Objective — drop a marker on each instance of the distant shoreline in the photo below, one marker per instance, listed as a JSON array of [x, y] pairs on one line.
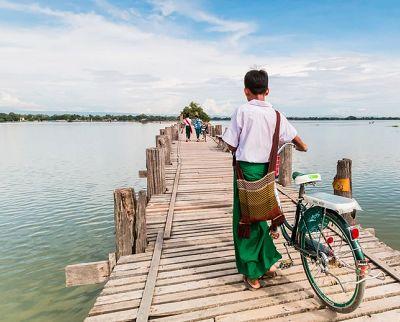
[[143, 118]]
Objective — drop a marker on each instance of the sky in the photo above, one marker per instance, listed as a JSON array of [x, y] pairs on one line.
[[324, 58]]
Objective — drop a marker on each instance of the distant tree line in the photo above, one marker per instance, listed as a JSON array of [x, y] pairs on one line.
[[15, 117], [326, 118], [348, 118], [192, 110]]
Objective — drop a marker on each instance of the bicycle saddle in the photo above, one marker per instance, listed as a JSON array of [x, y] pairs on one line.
[[303, 178]]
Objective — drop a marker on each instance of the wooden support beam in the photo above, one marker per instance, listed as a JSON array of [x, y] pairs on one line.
[[213, 131], [155, 165], [140, 223], [124, 217], [175, 132], [87, 273], [163, 142], [147, 297], [218, 129], [168, 132], [285, 169], [142, 173]]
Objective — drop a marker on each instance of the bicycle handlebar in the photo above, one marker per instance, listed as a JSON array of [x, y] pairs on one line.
[[283, 146]]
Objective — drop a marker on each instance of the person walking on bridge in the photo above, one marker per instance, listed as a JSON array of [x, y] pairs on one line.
[[250, 137], [197, 124], [188, 127]]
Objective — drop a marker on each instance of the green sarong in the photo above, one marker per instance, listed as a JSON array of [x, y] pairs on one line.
[[256, 254]]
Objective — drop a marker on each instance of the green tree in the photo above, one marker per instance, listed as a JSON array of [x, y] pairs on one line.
[[193, 110]]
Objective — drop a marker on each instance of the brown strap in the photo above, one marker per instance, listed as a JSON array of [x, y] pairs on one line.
[[239, 172], [275, 144]]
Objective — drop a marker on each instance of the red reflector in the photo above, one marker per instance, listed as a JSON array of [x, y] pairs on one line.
[[355, 233], [329, 240]]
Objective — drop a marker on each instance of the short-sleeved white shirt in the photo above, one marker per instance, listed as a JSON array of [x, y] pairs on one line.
[[252, 128]]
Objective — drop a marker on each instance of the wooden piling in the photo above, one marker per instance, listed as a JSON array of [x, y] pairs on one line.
[[218, 129], [168, 132], [124, 217], [285, 169], [213, 131], [176, 132], [162, 142], [342, 185], [140, 224], [155, 164]]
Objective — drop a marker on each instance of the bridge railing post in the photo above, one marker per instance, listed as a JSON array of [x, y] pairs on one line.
[[218, 129], [140, 238], [285, 167], [342, 185], [124, 218], [162, 143], [155, 165]]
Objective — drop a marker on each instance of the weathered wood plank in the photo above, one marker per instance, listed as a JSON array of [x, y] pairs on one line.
[[144, 308], [86, 273], [170, 214]]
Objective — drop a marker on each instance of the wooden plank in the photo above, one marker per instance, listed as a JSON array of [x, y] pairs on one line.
[[145, 304], [385, 267], [170, 214], [112, 261], [86, 273]]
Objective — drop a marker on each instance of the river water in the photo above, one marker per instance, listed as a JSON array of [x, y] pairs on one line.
[[56, 203]]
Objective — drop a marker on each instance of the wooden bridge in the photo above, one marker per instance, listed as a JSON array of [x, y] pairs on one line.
[[188, 272]]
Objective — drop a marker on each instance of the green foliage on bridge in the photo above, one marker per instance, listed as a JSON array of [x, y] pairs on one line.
[[193, 110]]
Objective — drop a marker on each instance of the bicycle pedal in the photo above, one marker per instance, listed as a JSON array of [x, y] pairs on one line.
[[286, 263]]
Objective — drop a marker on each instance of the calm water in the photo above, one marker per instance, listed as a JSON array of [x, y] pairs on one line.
[[56, 205]]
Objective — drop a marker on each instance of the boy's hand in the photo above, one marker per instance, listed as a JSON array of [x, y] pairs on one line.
[[299, 144], [304, 148]]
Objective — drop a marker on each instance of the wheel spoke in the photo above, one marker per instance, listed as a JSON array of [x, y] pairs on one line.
[[333, 275]]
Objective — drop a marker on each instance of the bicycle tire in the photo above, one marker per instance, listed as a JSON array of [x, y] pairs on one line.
[[357, 255]]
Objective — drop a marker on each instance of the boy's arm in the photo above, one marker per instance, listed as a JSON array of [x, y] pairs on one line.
[[300, 145], [232, 133]]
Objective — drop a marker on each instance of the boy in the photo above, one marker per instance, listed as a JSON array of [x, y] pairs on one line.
[[249, 135]]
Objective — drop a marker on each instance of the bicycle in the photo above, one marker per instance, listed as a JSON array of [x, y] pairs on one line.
[[330, 252]]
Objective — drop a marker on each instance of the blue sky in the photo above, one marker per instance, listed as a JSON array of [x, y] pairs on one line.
[[323, 57]]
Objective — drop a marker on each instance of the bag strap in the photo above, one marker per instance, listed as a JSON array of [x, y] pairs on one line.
[[235, 164], [275, 144]]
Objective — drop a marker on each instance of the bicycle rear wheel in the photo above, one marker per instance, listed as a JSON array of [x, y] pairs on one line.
[[333, 263]]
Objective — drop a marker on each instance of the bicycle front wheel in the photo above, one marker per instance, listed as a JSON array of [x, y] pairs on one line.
[[331, 262]]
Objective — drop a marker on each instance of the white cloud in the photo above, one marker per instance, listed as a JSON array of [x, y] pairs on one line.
[[237, 29], [87, 62], [123, 14], [8, 100]]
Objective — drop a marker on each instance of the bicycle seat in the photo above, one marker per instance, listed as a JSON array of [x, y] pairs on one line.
[[303, 178]]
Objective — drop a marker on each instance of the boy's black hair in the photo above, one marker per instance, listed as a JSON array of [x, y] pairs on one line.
[[256, 81]]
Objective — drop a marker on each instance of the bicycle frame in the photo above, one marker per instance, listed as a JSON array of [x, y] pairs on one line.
[[292, 239]]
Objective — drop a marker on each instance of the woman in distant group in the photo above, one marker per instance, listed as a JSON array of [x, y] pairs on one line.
[[188, 127], [197, 124]]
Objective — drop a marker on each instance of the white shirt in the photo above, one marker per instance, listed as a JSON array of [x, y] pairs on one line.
[[252, 128]]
